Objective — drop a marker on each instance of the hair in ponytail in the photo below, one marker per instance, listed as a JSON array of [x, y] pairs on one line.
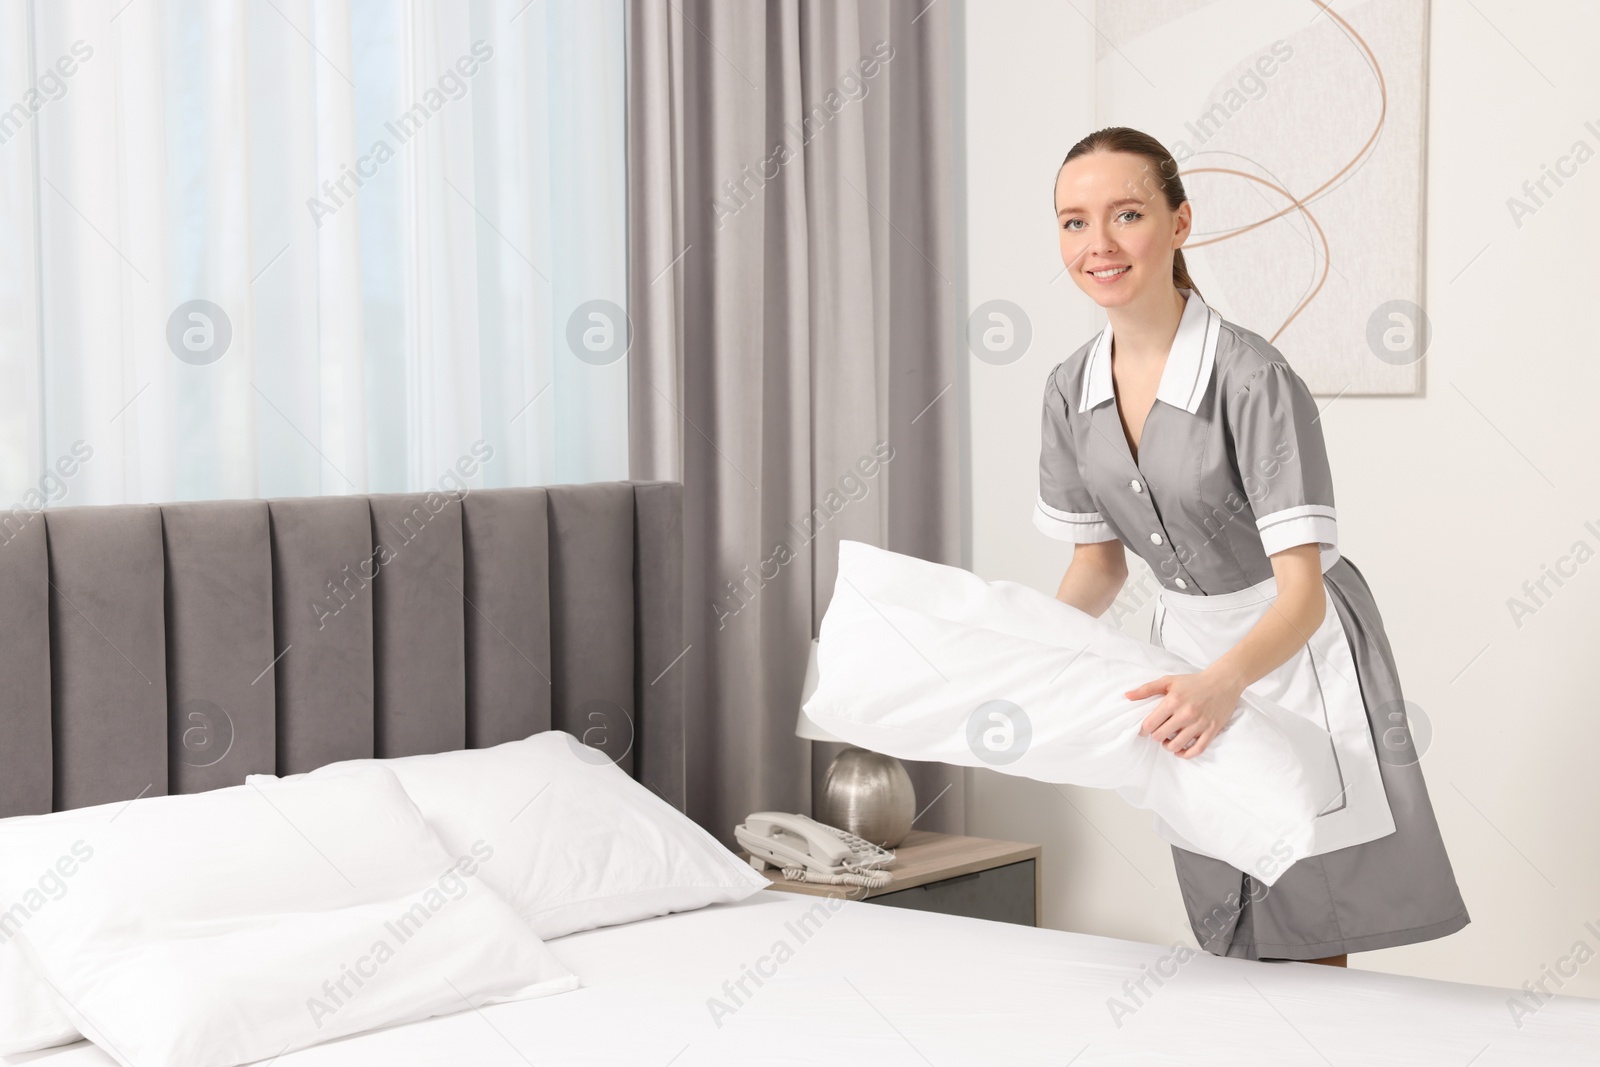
[[1134, 142]]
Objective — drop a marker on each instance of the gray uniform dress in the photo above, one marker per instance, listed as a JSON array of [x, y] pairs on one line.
[[1232, 468]]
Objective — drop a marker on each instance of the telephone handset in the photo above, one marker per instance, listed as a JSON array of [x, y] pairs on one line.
[[810, 851]]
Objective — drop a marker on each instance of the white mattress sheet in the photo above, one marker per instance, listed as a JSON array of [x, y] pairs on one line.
[[874, 984]]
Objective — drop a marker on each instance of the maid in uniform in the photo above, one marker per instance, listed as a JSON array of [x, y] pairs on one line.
[[1189, 440]]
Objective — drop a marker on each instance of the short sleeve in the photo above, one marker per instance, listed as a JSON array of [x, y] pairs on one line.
[[1283, 461], [1064, 510]]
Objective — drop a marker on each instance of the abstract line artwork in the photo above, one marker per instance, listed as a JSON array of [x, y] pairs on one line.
[[1300, 141]]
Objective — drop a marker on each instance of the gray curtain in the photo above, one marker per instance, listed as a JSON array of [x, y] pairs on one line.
[[793, 362]]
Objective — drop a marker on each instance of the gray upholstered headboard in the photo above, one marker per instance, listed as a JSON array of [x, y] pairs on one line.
[[147, 649]]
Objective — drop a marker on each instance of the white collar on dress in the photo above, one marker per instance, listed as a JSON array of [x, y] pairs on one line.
[[1189, 363]]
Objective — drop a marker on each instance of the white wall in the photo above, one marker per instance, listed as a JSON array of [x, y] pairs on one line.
[[1449, 502]]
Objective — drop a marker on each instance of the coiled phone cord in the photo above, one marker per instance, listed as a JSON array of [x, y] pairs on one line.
[[870, 879]]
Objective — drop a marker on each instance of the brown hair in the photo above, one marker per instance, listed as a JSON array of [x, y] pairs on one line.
[[1134, 142]]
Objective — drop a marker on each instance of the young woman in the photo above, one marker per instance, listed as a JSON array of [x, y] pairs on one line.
[[1191, 441]]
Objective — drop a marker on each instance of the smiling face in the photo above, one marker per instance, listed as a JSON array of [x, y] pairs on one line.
[[1110, 214]]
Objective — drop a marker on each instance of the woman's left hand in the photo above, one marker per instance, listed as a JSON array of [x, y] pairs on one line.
[[1196, 709]]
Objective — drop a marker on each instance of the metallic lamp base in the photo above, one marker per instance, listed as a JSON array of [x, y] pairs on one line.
[[868, 794]]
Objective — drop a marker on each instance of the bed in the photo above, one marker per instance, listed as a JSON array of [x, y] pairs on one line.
[[871, 984], [182, 647]]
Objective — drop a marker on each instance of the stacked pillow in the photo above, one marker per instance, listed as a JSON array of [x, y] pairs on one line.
[[31, 1016], [576, 842], [235, 925]]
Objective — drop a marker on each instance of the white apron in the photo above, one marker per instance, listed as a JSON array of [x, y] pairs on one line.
[[1319, 681]]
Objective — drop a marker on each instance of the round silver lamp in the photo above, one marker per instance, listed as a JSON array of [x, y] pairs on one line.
[[866, 793]]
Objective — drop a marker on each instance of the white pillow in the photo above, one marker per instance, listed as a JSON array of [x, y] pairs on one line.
[[229, 926], [31, 1016], [577, 842], [925, 661]]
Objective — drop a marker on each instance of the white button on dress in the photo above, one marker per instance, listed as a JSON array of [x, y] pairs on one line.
[[1155, 539], [1180, 583], [1135, 486]]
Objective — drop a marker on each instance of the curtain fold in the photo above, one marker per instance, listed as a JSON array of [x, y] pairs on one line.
[[790, 272], [293, 247]]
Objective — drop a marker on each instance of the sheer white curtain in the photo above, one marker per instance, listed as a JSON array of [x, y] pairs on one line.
[[284, 247]]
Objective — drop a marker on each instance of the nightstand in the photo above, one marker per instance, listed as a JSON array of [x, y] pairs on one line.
[[973, 876]]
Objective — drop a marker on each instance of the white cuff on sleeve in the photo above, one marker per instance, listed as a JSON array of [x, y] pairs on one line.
[[1305, 524], [1079, 527]]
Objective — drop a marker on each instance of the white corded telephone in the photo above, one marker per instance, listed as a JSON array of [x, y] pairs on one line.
[[810, 851]]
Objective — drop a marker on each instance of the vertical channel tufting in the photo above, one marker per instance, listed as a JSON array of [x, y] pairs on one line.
[[591, 601], [419, 659], [658, 631], [506, 541], [108, 654], [26, 779], [322, 609], [221, 706], [536, 608]]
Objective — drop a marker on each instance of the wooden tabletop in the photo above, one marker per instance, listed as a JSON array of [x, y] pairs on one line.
[[923, 857]]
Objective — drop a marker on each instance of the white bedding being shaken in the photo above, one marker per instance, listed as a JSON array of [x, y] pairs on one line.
[[924, 661]]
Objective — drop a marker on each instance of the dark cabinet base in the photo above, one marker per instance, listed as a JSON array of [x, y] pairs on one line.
[[1004, 894]]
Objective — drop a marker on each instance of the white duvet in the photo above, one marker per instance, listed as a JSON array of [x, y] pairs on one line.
[[929, 662]]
